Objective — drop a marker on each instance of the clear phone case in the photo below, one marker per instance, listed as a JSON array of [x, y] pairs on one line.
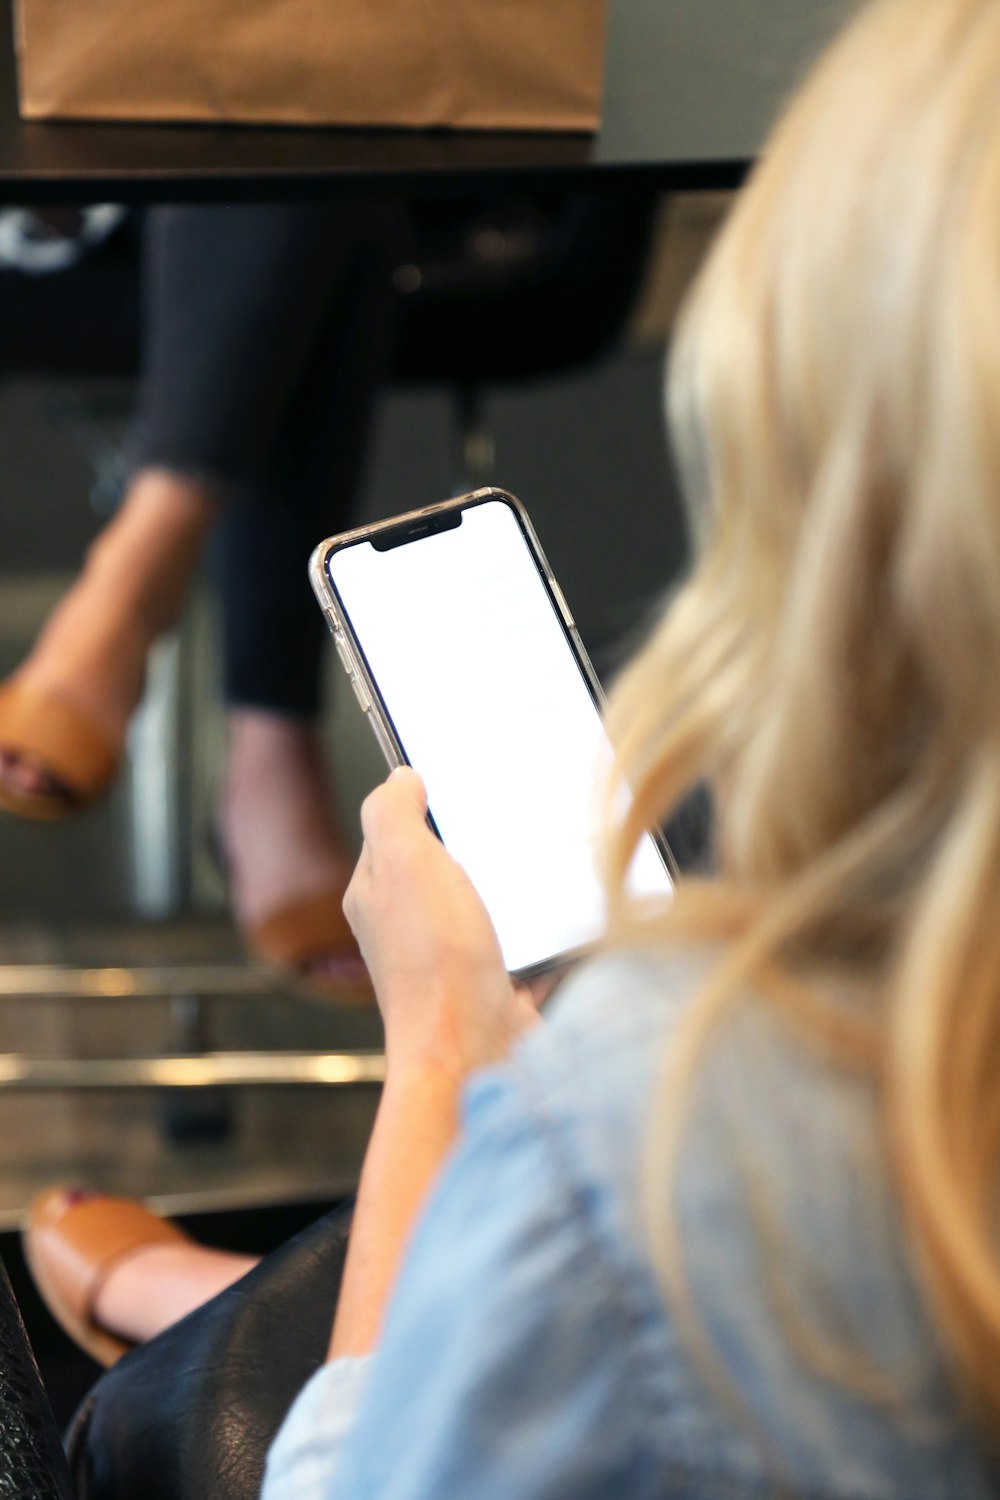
[[348, 650], [352, 656]]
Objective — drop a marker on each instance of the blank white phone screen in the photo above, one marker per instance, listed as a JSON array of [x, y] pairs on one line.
[[489, 704]]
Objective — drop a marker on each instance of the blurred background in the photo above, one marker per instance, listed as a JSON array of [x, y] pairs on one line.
[[117, 953]]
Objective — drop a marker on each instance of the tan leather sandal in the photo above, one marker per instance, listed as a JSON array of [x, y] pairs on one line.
[[305, 932], [71, 1241], [63, 743]]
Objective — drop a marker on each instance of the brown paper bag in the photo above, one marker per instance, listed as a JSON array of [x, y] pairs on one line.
[[493, 64]]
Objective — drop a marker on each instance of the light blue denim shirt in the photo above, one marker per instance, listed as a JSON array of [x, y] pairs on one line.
[[529, 1352]]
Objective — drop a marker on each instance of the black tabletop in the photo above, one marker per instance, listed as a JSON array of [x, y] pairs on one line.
[[691, 86]]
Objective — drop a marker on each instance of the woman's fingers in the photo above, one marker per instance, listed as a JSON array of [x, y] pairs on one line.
[[409, 780], [536, 991], [404, 877], [389, 814], [398, 803], [428, 941]]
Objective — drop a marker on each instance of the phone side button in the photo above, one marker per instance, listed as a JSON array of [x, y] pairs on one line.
[[343, 653], [361, 694], [561, 601]]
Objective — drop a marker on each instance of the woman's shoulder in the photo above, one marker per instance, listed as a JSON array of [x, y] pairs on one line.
[[794, 1257], [757, 1091], [608, 1014], [774, 1141], [585, 1075], [594, 1063]]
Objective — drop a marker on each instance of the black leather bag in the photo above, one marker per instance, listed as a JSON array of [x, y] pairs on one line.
[[190, 1415], [32, 1463]]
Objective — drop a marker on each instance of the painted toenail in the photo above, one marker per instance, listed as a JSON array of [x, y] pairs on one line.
[[73, 1197]]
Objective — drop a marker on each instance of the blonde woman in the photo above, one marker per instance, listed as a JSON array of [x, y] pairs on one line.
[[726, 1224]]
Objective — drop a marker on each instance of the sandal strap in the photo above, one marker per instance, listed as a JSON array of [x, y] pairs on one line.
[[81, 1242], [64, 742], [304, 930]]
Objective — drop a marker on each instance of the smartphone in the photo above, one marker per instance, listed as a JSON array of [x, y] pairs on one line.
[[464, 655]]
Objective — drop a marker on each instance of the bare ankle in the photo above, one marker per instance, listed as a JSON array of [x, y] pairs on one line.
[[157, 1286], [145, 556], [261, 733]]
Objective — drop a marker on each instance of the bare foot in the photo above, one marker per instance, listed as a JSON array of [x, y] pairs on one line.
[[279, 832], [92, 651], [154, 1287]]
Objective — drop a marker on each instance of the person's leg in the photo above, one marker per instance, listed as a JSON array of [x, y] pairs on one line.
[[91, 655], [218, 1383], [233, 302], [282, 838], [114, 1273], [305, 485], [153, 1288]]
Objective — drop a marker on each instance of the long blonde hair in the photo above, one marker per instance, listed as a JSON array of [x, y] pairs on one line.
[[834, 399]]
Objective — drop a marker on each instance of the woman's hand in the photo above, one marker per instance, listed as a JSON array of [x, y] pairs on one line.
[[449, 1007], [433, 955]]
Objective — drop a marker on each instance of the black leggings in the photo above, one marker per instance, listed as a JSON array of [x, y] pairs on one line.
[[266, 332]]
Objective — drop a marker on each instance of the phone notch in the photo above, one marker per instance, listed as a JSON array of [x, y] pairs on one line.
[[427, 523]]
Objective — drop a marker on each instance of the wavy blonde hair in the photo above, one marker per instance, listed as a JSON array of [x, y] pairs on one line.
[[834, 398]]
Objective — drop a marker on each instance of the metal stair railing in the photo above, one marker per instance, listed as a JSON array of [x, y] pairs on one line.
[[187, 987]]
